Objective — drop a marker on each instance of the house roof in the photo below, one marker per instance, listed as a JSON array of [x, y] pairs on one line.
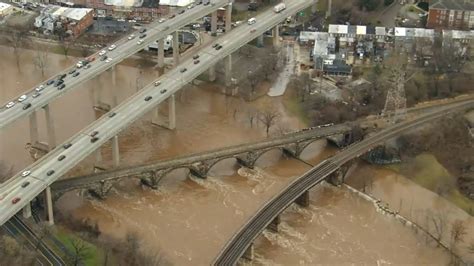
[[453, 5], [176, 2], [71, 13], [4, 6], [458, 34]]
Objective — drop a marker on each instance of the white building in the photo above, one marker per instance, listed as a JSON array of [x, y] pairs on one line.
[[5, 9]]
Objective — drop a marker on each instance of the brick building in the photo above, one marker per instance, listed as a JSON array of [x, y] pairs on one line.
[[451, 14]]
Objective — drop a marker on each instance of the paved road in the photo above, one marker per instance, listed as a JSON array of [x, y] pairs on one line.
[[237, 245], [129, 111], [125, 48]]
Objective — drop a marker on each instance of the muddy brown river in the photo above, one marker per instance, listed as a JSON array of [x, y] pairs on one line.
[[189, 219]]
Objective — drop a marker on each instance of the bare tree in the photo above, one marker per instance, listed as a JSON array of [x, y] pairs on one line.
[[80, 252], [270, 64], [253, 78], [251, 115], [268, 117], [17, 40], [41, 60], [65, 46], [458, 231]]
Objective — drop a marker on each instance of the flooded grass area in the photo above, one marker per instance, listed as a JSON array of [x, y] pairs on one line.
[[426, 171]]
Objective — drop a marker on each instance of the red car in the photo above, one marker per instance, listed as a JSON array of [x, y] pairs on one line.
[[15, 200], [90, 58]]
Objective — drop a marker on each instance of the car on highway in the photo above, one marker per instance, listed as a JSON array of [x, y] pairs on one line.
[[163, 91], [215, 45], [131, 37], [143, 30], [25, 173], [51, 81], [94, 133], [147, 98], [94, 139], [79, 64], [90, 58], [103, 58], [62, 157], [112, 114], [108, 60], [190, 6], [76, 74], [112, 47], [207, 3], [142, 36], [72, 71], [196, 56], [87, 67], [39, 88], [219, 47], [67, 145], [161, 20], [25, 184], [10, 105], [172, 16], [157, 83], [50, 172], [22, 98], [16, 200], [62, 86], [183, 70], [58, 82], [167, 28], [140, 42], [196, 62], [253, 30], [36, 94], [181, 11], [62, 76], [26, 106], [101, 53]]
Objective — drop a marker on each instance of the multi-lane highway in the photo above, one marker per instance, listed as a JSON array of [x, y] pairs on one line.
[[49, 168], [124, 48], [244, 237]]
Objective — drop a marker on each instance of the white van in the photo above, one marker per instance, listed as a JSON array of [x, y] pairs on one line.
[[251, 21]]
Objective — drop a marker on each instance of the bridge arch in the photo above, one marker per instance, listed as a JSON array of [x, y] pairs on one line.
[[266, 151], [305, 144], [217, 161]]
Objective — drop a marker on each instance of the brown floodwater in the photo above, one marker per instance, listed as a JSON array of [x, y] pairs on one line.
[[189, 219]]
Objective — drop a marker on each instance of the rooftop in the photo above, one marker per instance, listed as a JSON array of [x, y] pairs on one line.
[[4, 6], [176, 2], [71, 13], [124, 3], [454, 4]]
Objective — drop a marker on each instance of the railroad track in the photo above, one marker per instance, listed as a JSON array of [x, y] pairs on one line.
[[244, 237]]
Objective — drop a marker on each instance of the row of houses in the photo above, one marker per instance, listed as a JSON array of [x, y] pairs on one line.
[[71, 21], [336, 50]]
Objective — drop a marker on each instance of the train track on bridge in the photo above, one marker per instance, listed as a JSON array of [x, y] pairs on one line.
[[245, 236]]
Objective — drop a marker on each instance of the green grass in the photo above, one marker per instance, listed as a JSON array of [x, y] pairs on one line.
[[427, 172], [293, 105], [95, 254]]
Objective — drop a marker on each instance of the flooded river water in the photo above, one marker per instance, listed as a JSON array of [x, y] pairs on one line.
[[189, 219]]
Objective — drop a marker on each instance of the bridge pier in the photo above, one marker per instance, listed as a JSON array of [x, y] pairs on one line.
[[175, 48], [27, 210], [161, 53], [303, 200], [114, 86], [100, 190], [228, 18], [248, 159], [336, 178], [260, 42], [115, 151], [50, 127], [153, 178], [273, 226], [212, 73], [328, 12], [249, 253], [276, 36], [214, 23], [228, 70], [33, 128], [155, 120], [49, 206]]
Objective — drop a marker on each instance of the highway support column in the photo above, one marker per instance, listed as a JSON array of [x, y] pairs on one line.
[[171, 112], [115, 151], [260, 41], [228, 59], [27, 210], [114, 86], [212, 73], [214, 23], [49, 206], [276, 36], [303, 200], [50, 127], [175, 48], [33, 128], [328, 12], [274, 224], [161, 53]]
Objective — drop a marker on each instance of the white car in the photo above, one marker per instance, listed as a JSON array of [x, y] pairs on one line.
[[22, 98], [113, 46], [108, 60], [131, 37], [190, 6], [161, 20], [79, 64], [140, 42], [25, 173], [10, 105], [101, 53]]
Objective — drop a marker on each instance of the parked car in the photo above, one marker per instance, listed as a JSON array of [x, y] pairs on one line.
[[161, 20], [181, 11], [219, 47], [103, 58], [172, 16], [58, 82], [51, 81]]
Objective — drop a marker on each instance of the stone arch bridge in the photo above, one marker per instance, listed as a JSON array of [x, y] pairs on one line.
[[199, 164]]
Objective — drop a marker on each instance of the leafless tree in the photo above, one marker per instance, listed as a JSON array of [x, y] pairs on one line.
[[80, 252], [254, 78], [458, 231], [270, 64], [268, 117], [65, 46], [251, 115], [17, 40], [41, 60]]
